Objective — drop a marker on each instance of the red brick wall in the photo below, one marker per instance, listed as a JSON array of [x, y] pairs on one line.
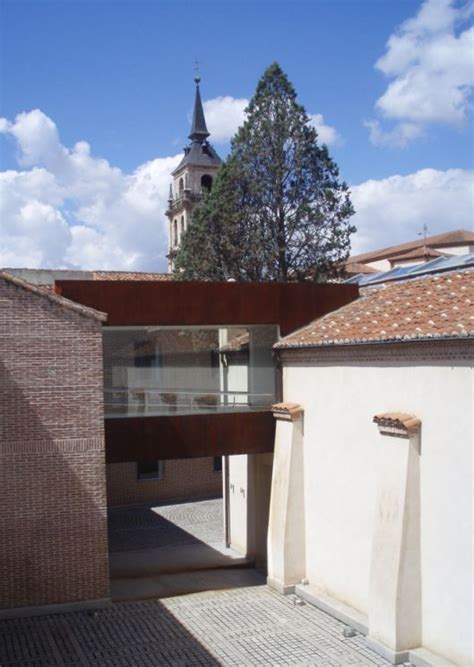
[[183, 478], [53, 537]]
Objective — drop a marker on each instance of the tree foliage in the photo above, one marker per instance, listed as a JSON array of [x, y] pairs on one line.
[[277, 210]]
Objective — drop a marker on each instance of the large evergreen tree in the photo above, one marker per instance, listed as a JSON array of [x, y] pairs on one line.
[[277, 210]]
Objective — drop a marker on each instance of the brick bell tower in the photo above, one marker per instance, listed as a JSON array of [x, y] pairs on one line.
[[191, 178]]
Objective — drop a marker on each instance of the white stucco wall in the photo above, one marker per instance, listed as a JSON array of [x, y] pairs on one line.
[[250, 477], [238, 502], [340, 450]]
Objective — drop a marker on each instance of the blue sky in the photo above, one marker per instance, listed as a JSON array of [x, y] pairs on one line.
[[118, 75]]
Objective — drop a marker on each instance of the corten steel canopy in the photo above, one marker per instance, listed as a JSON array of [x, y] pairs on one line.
[[189, 436], [177, 303]]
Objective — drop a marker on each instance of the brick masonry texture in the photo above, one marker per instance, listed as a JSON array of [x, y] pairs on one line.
[[182, 479], [53, 523]]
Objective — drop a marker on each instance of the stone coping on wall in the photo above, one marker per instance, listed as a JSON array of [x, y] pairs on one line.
[[288, 411], [397, 424]]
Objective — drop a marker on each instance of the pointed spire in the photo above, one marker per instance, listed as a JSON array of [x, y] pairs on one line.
[[199, 130]]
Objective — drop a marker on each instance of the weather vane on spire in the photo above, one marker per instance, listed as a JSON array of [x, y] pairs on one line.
[[197, 73]]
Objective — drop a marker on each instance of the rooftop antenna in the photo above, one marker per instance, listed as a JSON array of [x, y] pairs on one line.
[[423, 234]]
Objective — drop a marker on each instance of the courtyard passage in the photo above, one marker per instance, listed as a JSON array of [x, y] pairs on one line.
[[167, 550], [245, 626]]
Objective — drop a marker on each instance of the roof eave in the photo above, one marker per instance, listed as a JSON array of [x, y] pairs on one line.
[[390, 251], [61, 301], [385, 341]]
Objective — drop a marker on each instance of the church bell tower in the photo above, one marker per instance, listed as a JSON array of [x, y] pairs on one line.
[[191, 178]]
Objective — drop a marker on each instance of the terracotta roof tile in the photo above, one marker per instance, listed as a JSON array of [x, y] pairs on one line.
[[424, 308], [130, 275], [398, 420], [291, 410]]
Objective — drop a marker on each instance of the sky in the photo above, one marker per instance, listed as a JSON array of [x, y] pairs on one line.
[[96, 98]]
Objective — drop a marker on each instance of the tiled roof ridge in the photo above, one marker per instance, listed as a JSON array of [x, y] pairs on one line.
[[55, 298], [351, 325], [453, 237]]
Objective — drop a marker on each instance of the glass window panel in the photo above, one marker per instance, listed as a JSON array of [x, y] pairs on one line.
[[190, 370]]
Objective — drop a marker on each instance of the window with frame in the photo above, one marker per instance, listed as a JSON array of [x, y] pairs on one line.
[[150, 470], [217, 463]]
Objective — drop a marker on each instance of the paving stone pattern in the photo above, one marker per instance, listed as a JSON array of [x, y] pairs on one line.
[[247, 626], [148, 527]]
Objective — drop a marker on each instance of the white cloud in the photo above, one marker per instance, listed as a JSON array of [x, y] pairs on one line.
[[71, 209], [4, 125], [224, 115], [394, 209], [399, 137], [326, 134], [32, 226], [429, 59]]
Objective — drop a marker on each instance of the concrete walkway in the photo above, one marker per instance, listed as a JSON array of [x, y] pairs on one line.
[[241, 627]]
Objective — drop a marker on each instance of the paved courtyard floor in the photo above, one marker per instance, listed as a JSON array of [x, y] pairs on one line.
[[168, 550], [246, 626], [149, 527]]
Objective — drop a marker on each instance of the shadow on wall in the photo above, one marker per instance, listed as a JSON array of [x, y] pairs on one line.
[[137, 633], [53, 546]]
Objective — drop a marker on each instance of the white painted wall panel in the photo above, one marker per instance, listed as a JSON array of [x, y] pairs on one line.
[[341, 445]]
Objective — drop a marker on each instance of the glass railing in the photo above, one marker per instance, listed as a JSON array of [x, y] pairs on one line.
[[152, 371], [141, 402]]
